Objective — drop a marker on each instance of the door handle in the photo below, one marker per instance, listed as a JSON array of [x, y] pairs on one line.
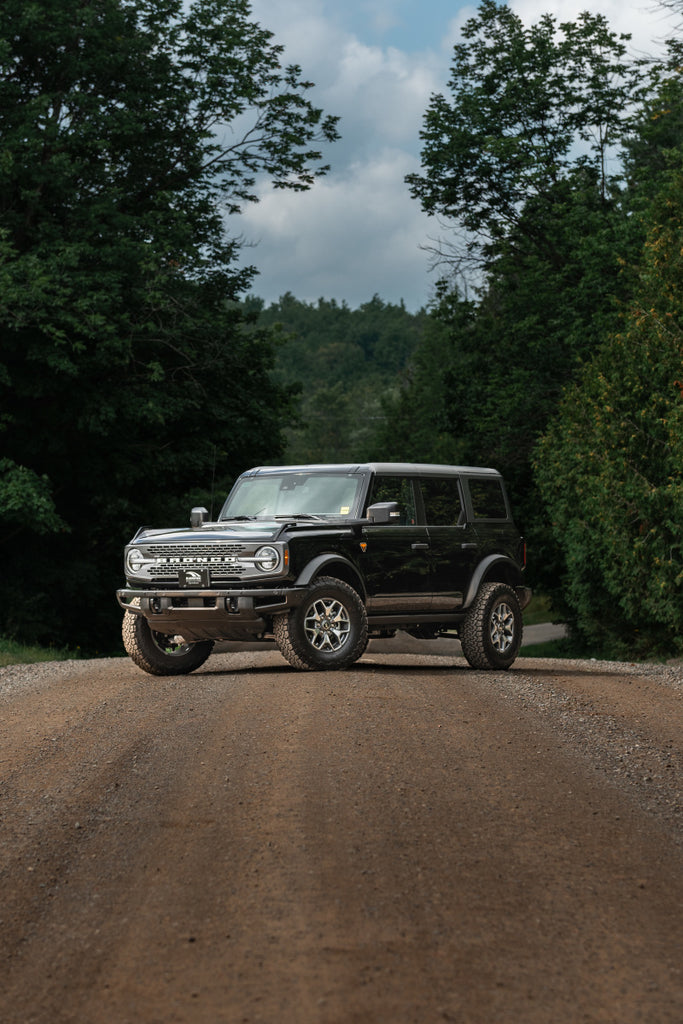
[[420, 546], [468, 547]]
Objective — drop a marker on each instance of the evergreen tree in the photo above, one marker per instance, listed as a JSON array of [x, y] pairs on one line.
[[609, 465]]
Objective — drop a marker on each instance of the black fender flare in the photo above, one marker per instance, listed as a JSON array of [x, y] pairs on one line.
[[511, 575], [316, 566]]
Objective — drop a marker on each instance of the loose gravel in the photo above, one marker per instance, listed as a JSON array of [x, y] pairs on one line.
[[630, 758], [633, 759]]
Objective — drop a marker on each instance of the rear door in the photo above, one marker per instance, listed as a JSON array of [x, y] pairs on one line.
[[454, 545]]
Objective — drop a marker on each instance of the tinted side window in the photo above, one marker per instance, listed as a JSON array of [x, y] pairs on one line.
[[488, 500], [395, 488], [441, 496]]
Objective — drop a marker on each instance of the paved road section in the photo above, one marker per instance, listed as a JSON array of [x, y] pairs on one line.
[[406, 841]]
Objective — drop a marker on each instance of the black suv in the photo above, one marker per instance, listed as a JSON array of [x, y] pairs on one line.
[[321, 558]]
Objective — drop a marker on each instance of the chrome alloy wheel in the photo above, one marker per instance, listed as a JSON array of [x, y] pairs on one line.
[[327, 625], [502, 627]]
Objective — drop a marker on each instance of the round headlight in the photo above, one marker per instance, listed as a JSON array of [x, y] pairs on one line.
[[134, 561], [267, 558]]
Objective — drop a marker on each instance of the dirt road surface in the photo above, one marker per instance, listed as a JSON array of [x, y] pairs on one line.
[[406, 841]]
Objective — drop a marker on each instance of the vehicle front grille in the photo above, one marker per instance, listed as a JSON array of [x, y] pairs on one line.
[[182, 551], [220, 559]]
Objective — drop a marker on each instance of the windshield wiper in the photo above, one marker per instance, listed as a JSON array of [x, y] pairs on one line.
[[299, 515]]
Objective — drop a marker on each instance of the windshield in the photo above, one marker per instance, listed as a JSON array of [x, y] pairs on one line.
[[294, 494]]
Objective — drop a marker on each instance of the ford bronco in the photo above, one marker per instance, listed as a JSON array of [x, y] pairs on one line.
[[319, 559]]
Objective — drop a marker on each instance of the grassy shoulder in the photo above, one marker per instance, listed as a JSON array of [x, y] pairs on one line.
[[538, 611], [14, 653], [551, 649]]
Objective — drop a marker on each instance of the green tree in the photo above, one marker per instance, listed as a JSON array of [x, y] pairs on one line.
[[609, 465], [129, 132], [522, 158], [524, 102], [417, 423], [657, 133]]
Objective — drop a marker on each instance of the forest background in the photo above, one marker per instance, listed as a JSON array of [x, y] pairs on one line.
[[139, 373]]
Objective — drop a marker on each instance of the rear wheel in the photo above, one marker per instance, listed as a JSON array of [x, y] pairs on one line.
[[328, 630], [158, 653], [491, 634]]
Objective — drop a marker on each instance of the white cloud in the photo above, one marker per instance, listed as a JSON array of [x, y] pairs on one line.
[[357, 232], [380, 93], [381, 96], [382, 14], [647, 22], [306, 28], [349, 238]]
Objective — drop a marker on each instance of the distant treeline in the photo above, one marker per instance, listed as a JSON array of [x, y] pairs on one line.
[[343, 365]]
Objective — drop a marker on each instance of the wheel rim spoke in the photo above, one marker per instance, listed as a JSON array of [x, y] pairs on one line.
[[502, 627], [327, 625]]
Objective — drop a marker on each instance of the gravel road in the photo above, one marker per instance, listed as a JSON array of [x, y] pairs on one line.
[[406, 841]]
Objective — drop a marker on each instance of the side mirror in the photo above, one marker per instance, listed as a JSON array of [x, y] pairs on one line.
[[198, 516], [383, 512]]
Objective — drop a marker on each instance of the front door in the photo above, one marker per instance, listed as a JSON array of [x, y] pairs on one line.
[[396, 557]]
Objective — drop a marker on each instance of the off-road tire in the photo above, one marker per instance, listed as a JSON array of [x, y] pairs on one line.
[[491, 634], [328, 630], [159, 654]]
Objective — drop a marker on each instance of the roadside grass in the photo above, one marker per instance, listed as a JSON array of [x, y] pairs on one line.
[[538, 610], [550, 649], [14, 653]]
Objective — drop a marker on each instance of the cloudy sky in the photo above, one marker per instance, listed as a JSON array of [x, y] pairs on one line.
[[375, 63]]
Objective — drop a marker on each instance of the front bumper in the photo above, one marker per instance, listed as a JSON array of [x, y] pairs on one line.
[[210, 614]]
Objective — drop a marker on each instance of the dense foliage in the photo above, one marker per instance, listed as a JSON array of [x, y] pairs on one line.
[[610, 463], [128, 370], [518, 156]]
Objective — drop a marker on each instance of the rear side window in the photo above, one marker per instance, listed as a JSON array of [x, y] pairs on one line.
[[442, 502], [488, 499]]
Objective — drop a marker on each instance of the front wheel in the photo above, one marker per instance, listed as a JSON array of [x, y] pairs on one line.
[[158, 653], [328, 630], [491, 634]]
